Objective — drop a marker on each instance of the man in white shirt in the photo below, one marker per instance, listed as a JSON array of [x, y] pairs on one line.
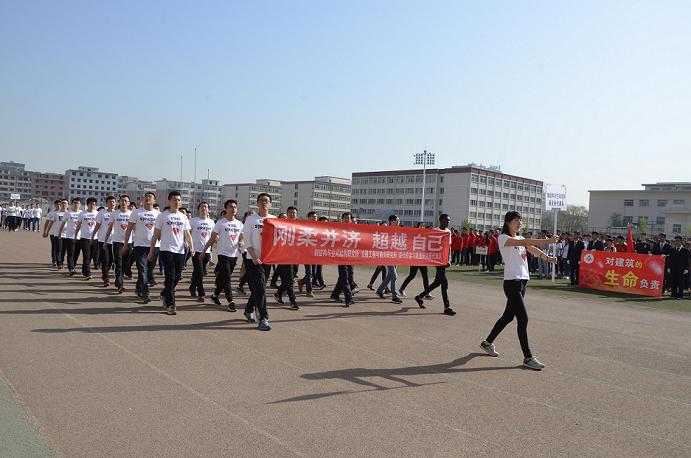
[[85, 230], [105, 245], [228, 233], [256, 270], [36, 223], [172, 228], [71, 236], [142, 221], [117, 227], [286, 273], [52, 228], [201, 228]]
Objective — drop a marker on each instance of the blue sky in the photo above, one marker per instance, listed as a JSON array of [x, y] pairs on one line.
[[593, 94]]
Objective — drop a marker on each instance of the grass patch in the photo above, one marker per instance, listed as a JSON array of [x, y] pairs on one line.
[[561, 288]]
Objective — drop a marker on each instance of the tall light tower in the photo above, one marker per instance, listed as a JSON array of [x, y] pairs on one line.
[[425, 158]]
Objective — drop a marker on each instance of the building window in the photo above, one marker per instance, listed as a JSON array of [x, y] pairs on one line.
[[628, 219], [662, 203], [473, 202], [643, 203], [679, 202], [473, 190], [676, 228], [628, 203], [660, 220]]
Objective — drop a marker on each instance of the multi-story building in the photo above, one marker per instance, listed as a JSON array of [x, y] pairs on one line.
[[14, 179], [208, 191], [245, 194], [165, 186], [135, 188], [480, 195], [85, 182], [48, 186], [326, 195], [662, 207]]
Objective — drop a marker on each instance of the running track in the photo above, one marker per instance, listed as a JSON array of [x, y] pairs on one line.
[[99, 375]]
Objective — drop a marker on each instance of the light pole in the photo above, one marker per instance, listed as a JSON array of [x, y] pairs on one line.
[[425, 158]]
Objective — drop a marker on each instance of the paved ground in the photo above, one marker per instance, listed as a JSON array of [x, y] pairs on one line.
[[101, 375]]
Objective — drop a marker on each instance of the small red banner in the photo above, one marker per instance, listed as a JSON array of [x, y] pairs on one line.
[[310, 242], [630, 273]]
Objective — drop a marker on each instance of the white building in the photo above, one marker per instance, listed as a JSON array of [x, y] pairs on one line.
[[14, 179], [85, 182], [481, 195], [135, 188], [245, 194], [208, 191], [326, 195], [663, 207]]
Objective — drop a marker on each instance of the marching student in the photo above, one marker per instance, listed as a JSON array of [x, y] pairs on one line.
[[117, 226], [440, 276], [514, 250], [413, 272], [285, 271], [310, 269], [95, 251], [71, 234], [343, 285], [257, 271], [105, 246], [391, 274], [142, 221], [318, 282], [228, 232], [85, 228], [677, 267], [53, 228], [36, 221], [172, 228], [243, 271], [201, 228], [275, 274]]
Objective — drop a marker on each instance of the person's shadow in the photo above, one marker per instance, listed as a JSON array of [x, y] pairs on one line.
[[362, 376]]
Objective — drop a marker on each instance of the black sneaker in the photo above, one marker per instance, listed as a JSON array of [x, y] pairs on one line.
[[449, 311], [240, 290], [348, 304], [336, 299], [381, 295], [146, 299], [215, 299], [294, 306], [231, 307], [420, 302], [278, 298], [170, 310], [72, 273], [396, 300]]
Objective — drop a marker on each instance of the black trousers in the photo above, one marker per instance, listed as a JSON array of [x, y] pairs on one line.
[[85, 247], [106, 258], [199, 263], [173, 264], [256, 276], [515, 307], [379, 270], [55, 249], [318, 276], [343, 284], [439, 280], [224, 269], [286, 272], [96, 255], [73, 249], [308, 279], [119, 263], [413, 273], [676, 283], [144, 269], [274, 276], [575, 265]]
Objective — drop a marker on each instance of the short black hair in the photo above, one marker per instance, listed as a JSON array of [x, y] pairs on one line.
[[110, 198], [148, 193], [311, 213], [292, 208], [172, 194], [228, 202], [679, 237], [664, 235], [202, 203], [323, 218], [77, 199], [393, 218], [264, 194], [346, 214], [91, 200], [100, 208], [57, 201], [124, 195]]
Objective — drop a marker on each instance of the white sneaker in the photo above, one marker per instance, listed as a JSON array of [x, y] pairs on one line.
[[401, 293], [489, 348], [533, 363]]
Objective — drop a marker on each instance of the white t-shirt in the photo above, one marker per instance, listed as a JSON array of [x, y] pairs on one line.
[[88, 220], [56, 217], [200, 232], [515, 259], [228, 237], [11, 210], [38, 213], [103, 218], [252, 234], [173, 227], [144, 221], [119, 219], [71, 224]]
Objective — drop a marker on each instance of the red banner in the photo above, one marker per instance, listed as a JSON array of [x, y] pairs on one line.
[[630, 273], [310, 242]]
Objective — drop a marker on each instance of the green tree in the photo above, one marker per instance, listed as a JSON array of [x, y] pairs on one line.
[[642, 225]]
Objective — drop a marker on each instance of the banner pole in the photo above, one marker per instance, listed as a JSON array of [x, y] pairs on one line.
[[554, 266]]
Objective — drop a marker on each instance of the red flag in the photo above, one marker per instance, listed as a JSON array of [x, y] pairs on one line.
[[630, 245]]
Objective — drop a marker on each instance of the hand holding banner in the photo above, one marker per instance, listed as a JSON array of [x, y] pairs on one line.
[[311, 242]]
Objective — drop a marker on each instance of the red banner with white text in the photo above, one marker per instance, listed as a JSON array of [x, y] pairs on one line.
[[631, 273], [311, 242]]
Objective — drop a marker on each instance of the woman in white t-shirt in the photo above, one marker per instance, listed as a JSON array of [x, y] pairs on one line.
[[514, 250]]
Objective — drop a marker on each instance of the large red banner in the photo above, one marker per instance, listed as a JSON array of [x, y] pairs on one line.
[[310, 242], [630, 273]]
